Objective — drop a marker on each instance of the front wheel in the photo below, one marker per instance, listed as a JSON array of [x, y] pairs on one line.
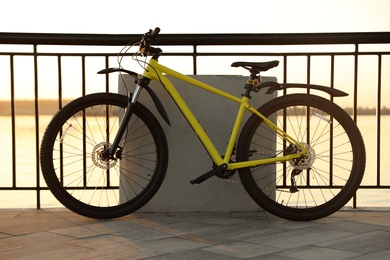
[[76, 165], [313, 186]]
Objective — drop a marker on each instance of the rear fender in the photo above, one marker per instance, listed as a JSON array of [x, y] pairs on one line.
[[274, 86]]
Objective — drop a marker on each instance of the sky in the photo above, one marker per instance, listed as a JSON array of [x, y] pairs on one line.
[[201, 16]]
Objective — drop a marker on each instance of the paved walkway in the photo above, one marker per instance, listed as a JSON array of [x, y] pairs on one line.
[[60, 234]]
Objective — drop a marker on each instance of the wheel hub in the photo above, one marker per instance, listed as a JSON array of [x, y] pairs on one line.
[[305, 161], [100, 156]]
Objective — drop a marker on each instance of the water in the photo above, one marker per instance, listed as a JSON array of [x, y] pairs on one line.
[[26, 163]]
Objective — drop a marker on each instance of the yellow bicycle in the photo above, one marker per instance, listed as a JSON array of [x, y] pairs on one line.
[[299, 156]]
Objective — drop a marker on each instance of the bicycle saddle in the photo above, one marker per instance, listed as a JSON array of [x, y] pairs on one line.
[[261, 66]]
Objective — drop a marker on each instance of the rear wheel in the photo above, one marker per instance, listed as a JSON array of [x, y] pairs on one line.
[[316, 185], [76, 165]]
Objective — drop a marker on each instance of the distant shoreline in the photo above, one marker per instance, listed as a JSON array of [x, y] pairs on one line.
[[27, 107], [50, 107]]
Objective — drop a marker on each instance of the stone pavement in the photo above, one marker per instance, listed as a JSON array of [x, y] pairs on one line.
[[61, 234]]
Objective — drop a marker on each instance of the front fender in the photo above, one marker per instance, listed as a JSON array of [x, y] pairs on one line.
[[274, 86], [156, 100], [158, 104]]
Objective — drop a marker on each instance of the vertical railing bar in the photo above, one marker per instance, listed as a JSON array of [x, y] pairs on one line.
[[59, 62], [308, 72], [107, 120], [84, 121], [355, 83], [83, 84], [332, 59], [308, 115], [60, 105], [331, 125], [284, 73], [355, 92], [378, 122], [13, 120], [194, 59], [36, 108], [108, 74], [284, 117]]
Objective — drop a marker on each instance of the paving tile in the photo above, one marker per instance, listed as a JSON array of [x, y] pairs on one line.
[[193, 254], [299, 237], [33, 221], [352, 226], [225, 235], [383, 254], [224, 221], [101, 228], [104, 242], [242, 249], [79, 232], [274, 256], [172, 245], [34, 245], [292, 225], [2, 235], [9, 214], [316, 252], [39, 240], [114, 247], [51, 252], [192, 227], [151, 233], [148, 219], [361, 243], [369, 217]]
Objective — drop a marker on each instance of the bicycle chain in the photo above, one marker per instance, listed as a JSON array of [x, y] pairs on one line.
[[231, 181]]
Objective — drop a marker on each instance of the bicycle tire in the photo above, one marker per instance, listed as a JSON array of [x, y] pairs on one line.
[[85, 182], [332, 172]]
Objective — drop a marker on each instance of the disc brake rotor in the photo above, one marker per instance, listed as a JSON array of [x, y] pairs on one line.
[[100, 156], [306, 161]]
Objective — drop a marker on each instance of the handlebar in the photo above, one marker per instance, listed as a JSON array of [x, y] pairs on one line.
[[146, 41], [154, 33]]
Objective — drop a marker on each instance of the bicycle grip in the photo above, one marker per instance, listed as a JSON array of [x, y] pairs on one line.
[[155, 32]]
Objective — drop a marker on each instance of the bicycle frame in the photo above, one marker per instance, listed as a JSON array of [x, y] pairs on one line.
[[156, 71]]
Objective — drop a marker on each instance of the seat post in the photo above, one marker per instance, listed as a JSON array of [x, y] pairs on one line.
[[252, 81]]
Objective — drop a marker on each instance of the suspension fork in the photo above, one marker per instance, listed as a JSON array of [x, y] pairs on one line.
[[126, 117]]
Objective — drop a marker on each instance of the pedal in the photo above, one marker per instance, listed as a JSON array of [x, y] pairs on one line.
[[209, 174]]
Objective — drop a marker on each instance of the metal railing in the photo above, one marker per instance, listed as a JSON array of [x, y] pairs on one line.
[[198, 46]]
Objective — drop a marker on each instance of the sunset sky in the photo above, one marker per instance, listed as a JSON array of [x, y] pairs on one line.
[[201, 16]]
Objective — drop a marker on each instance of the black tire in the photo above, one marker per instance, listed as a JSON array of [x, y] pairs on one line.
[[103, 188], [332, 172]]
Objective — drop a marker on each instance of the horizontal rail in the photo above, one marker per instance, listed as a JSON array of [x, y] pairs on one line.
[[198, 39]]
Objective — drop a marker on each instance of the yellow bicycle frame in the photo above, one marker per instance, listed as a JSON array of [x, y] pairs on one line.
[[156, 71]]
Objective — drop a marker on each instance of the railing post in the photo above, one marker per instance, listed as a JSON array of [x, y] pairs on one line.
[[194, 59], [37, 143]]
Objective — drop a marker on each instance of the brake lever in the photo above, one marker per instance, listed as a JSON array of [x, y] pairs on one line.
[[147, 39]]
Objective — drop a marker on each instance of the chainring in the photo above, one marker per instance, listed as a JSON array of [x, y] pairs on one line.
[[227, 174]]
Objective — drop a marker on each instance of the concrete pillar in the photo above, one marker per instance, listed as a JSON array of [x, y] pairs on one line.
[[187, 157]]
